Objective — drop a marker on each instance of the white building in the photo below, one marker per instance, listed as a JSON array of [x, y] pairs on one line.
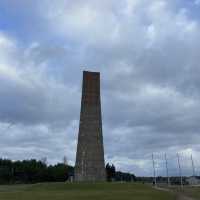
[[193, 180]]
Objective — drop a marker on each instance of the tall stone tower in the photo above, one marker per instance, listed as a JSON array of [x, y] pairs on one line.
[[90, 164]]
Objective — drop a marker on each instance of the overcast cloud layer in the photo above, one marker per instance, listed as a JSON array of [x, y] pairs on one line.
[[148, 55]]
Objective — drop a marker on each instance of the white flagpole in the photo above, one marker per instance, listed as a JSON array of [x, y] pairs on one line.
[[193, 167], [167, 171], [180, 172], [154, 170]]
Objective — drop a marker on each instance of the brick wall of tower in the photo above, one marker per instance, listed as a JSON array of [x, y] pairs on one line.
[[90, 164]]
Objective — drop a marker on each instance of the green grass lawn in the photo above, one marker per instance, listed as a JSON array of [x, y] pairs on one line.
[[83, 191]]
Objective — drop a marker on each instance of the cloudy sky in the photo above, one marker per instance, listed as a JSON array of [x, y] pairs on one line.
[[148, 53]]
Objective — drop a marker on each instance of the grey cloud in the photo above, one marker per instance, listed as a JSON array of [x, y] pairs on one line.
[[37, 141], [148, 58], [40, 103]]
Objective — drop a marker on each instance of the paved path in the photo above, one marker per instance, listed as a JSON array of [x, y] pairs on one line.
[[179, 195], [183, 197]]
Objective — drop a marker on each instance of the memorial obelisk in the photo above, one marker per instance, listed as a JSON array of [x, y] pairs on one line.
[[90, 164]]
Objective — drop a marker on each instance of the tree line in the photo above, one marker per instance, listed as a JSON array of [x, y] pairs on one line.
[[34, 171], [174, 180], [113, 175]]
